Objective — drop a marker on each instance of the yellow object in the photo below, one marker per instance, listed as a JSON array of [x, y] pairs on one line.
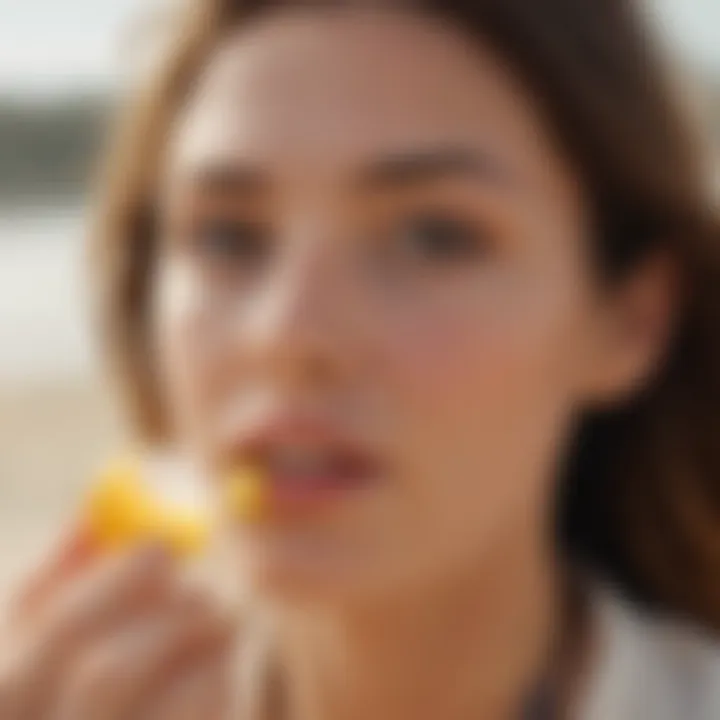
[[246, 494], [123, 512]]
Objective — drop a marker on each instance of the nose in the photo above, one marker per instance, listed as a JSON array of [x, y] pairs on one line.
[[300, 325]]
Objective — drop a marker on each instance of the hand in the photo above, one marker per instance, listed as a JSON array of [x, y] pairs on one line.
[[116, 638]]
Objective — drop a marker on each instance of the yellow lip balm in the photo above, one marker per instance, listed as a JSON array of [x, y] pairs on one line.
[[246, 494], [123, 511]]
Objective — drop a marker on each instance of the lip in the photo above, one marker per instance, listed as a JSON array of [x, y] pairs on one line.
[[353, 465]]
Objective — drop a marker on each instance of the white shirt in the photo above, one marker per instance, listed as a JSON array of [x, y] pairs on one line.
[[650, 668]]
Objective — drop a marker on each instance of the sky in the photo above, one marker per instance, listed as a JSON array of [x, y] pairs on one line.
[[54, 46]]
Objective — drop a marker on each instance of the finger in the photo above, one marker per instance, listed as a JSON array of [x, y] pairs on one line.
[[113, 589], [70, 554], [203, 692], [108, 596], [112, 680], [74, 551]]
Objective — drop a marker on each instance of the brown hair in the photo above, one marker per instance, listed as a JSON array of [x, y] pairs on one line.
[[640, 500]]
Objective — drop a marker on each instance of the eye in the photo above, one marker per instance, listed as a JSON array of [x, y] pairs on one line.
[[232, 241], [437, 237]]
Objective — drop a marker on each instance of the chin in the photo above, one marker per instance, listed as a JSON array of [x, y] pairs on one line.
[[323, 576], [299, 569]]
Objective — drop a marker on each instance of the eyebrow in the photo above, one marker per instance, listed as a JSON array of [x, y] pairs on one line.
[[429, 165], [392, 171], [230, 179]]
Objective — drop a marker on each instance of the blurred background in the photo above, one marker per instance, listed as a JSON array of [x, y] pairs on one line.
[[63, 64]]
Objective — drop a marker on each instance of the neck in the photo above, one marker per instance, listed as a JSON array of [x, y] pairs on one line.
[[472, 646]]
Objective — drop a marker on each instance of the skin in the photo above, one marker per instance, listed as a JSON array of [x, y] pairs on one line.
[[297, 273]]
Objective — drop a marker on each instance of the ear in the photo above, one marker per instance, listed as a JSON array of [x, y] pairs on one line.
[[636, 329]]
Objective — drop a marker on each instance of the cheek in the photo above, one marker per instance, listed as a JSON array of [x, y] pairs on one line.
[[485, 387], [189, 335], [507, 341]]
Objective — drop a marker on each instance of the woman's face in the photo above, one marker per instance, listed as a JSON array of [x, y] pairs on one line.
[[374, 282]]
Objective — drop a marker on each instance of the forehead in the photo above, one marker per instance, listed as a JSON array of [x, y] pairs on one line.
[[321, 90]]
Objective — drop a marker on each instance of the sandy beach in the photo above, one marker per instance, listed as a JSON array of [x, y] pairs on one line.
[[52, 436], [56, 421]]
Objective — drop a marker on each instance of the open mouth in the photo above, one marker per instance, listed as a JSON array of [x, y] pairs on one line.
[[297, 464], [304, 464]]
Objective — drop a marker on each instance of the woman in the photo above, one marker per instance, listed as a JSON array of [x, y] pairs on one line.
[[447, 274]]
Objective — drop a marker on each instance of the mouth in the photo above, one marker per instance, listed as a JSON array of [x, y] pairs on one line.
[[306, 464]]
